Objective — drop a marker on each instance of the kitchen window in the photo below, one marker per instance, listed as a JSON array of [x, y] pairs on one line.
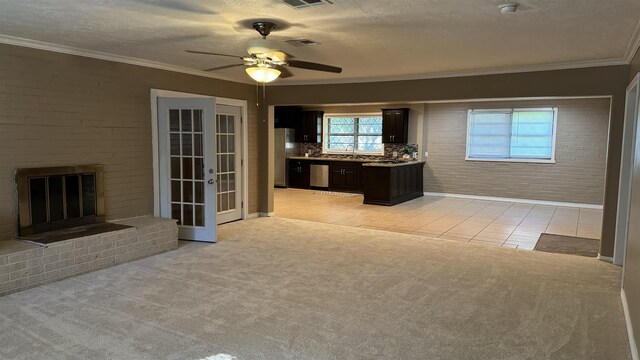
[[361, 134], [518, 135]]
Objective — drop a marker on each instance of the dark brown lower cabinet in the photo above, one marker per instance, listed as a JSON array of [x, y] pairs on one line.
[[343, 176], [390, 185], [299, 174]]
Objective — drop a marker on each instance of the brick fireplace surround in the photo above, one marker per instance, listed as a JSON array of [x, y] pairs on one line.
[[25, 265]]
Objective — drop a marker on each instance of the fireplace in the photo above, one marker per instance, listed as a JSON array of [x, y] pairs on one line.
[[57, 198]]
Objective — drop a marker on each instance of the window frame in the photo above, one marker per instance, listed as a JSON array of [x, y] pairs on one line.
[[325, 134], [552, 160]]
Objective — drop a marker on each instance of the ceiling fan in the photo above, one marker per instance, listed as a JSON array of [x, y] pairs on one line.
[[266, 62]]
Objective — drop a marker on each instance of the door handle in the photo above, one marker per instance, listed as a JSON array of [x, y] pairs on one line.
[[211, 181]]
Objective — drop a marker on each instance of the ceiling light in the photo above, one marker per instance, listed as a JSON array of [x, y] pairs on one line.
[[508, 8], [263, 74]]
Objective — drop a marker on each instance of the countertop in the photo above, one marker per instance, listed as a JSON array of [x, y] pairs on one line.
[[393, 164], [366, 162]]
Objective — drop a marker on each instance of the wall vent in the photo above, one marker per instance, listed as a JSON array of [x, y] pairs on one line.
[[301, 4], [302, 42]]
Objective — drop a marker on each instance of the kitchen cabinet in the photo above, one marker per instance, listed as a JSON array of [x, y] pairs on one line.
[[344, 176], [287, 117], [309, 128], [393, 184], [299, 174], [395, 126]]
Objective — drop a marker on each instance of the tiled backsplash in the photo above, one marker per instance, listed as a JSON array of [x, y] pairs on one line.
[[315, 150]]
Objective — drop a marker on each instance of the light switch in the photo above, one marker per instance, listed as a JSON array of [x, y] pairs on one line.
[[426, 153]]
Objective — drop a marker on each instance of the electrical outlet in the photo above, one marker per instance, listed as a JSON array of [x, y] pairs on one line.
[[426, 154], [395, 154]]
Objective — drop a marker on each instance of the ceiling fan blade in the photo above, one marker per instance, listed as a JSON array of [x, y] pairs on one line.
[[211, 53], [313, 66], [284, 72], [223, 67]]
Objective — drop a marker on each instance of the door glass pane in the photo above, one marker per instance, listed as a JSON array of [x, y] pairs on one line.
[[230, 144], [222, 124], [199, 192], [232, 200], [223, 144], [232, 162], [187, 193], [187, 144], [223, 163], [223, 183], [198, 168], [175, 167], [230, 124], [175, 144], [232, 181], [174, 120], [186, 121], [175, 191], [188, 215], [197, 145], [176, 213], [197, 120], [199, 215], [187, 168], [224, 206]]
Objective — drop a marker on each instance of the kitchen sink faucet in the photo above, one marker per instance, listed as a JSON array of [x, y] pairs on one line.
[[353, 150]]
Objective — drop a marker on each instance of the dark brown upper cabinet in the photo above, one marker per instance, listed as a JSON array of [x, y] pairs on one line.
[[309, 130], [395, 126], [287, 117]]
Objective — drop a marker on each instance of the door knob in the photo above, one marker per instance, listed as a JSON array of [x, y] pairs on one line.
[[211, 181]]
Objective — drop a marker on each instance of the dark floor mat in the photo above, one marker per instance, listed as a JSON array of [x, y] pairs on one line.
[[72, 233], [562, 244]]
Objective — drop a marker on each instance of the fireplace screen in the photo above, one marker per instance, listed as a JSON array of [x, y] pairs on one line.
[[59, 197]]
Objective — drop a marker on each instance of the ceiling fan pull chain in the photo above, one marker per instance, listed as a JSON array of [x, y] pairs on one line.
[[257, 95]]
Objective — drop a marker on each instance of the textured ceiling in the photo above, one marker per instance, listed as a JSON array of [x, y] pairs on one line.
[[368, 38]]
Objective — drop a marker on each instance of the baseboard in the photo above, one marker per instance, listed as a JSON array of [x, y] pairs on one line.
[[524, 201], [627, 318], [605, 258], [254, 215], [267, 214]]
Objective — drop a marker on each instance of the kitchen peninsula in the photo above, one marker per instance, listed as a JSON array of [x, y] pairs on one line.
[[383, 182]]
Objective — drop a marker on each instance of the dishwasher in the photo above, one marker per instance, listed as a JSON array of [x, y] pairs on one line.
[[319, 176]]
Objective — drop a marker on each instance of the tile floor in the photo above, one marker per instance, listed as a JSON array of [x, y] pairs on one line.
[[492, 223]]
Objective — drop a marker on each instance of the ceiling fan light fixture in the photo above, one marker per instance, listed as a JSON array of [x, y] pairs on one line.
[[263, 74], [508, 8]]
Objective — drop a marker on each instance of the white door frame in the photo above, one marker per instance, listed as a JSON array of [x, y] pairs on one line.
[[155, 94], [626, 172]]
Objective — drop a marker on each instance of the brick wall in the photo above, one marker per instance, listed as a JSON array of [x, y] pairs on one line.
[[58, 109], [577, 176]]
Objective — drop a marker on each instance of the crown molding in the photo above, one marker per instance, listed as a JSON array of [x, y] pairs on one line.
[[450, 74], [634, 44], [69, 50], [40, 45]]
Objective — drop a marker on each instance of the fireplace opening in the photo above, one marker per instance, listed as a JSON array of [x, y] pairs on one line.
[[57, 198]]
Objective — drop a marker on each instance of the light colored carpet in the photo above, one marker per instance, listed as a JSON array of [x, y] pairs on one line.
[[286, 289]]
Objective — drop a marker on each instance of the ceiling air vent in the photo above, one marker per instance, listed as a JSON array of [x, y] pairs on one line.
[[300, 4], [302, 42]]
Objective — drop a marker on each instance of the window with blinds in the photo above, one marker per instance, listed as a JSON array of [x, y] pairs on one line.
[[512, 135], [359, 133]]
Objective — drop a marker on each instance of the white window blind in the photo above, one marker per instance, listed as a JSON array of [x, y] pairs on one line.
[[517, 134]]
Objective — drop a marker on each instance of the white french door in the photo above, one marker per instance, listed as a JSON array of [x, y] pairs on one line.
[[229, 163], [187, 165]]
